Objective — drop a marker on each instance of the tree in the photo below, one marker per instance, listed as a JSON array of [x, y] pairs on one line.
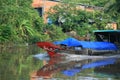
[[113, 8], [69, 17], [99, 3], [21, 19]]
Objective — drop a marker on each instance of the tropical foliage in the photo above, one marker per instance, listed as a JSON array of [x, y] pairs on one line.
[[100, 3], [20, 22], [113, 9], [17, 18], [68, 17]]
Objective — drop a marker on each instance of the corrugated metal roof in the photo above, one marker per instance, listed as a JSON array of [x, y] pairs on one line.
[[106, 31]]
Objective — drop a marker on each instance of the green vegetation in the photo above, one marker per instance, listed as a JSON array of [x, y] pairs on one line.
[[113, 9], [20, 23], [99, 3], [68, 17], [17, 18]]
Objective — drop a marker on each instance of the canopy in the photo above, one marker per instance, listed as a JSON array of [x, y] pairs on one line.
[[72, 42], [110, 31], [112, 36]]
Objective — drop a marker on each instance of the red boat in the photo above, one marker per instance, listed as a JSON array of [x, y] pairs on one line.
[[50, 48]]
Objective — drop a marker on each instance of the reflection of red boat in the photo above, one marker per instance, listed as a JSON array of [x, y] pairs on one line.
[[49, 68]]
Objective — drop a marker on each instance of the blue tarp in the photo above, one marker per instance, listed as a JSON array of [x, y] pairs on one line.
[[98, 45], [72, 42], [69, 42], [73, 71]]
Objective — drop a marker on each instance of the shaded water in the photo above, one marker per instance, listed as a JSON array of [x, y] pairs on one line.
[[18, 63]]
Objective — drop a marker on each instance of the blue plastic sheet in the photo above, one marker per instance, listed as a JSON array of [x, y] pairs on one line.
[[69, 42], [72, 42], [98, 45]]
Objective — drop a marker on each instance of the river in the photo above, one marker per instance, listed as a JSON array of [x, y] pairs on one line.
[[19, 63]]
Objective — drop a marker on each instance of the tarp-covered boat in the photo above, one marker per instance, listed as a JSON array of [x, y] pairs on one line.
[[112, 36], [72, 42], [107, 41], [88, 46]]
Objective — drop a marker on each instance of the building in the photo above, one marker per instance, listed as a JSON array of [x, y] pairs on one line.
[[43, 6], [112, 25]]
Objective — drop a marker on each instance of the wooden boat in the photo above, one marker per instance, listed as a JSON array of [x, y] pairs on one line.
[[111, 36], [107, 41]]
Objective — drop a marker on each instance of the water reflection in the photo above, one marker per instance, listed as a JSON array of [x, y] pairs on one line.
[[71, 67], [110, 69], [16, 61]]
